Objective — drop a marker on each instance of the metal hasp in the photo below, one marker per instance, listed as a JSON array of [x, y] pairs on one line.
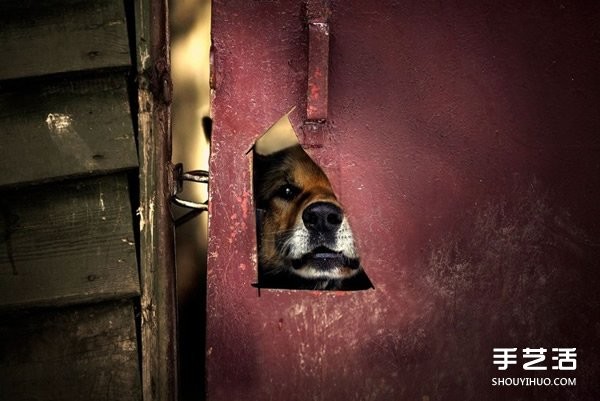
[[318, 60], [178, 177]]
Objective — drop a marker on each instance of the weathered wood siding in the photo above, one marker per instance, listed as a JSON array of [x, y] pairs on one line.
[[65, 127], [69, 280], [67, 242], [57, 36], [81, 353]]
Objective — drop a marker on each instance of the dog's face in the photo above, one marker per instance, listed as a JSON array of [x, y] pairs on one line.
[[305, 240]]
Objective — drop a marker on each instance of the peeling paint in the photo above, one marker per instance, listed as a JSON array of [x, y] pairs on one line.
[[140, 214], [59, 123], [144, 58], [67, 140], [102, 206]]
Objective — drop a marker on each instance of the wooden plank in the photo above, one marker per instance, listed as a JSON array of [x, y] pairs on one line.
[[66, 243], [83, 353], [39, 38], [157, 254], [64, 128]]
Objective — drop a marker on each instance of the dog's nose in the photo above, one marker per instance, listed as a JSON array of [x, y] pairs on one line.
[[322, 217]]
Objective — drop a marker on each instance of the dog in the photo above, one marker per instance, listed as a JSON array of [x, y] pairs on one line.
[[304, 239]]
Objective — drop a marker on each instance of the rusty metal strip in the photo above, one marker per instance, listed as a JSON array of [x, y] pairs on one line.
[[318, 61]]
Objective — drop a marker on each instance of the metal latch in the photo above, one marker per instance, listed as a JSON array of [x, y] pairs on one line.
[[178, 177]]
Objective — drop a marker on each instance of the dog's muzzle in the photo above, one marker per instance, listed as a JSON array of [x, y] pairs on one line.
[[329, 247], [322, 218]]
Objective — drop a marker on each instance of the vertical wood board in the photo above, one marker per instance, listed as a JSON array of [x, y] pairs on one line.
[[157, 264]]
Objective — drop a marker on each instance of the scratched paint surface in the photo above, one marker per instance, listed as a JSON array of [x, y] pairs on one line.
[[462, 140]]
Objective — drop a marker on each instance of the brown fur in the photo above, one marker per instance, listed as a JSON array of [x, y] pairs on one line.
[[279, 216]]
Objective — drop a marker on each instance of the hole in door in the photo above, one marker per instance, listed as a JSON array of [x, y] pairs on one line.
[[303, 236]]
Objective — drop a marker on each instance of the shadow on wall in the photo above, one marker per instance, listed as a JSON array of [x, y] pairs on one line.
[[190, 47]]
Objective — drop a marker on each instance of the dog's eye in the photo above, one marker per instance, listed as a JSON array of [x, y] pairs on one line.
[[287, 192]]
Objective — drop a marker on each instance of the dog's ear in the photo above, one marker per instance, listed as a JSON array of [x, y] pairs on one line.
[[259, 163], [260, 166], [266, 172]]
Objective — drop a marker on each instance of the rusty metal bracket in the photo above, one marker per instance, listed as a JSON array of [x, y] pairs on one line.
[[177, 180], [318, 12]]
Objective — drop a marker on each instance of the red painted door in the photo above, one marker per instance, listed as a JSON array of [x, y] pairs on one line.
[[462, 139]]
